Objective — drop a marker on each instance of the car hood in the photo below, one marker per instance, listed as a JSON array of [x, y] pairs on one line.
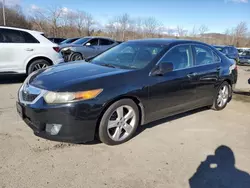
[[66, 75]]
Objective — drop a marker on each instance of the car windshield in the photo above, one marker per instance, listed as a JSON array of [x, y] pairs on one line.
[[81, 41], [129, 55]]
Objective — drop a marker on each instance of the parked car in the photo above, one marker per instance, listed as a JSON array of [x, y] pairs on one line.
[[86, 47], [68, 41], [56, 40], [230, 51], [241, 50], [245, 57], [24, 51], [133, 83]]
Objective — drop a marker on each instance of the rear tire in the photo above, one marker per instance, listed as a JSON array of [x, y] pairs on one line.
[[119, 122], [37, 64], [222, 96]]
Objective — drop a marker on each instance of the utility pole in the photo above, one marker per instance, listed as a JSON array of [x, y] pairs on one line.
[[4, 21]]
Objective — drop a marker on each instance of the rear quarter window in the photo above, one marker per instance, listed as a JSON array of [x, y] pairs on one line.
[[29, 38]]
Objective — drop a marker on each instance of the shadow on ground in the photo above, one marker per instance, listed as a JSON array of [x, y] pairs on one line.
[[242, 95], [168, 119], [12, 79], [218, 171]]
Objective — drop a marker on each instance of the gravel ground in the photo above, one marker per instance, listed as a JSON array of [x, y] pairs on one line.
[[164, 154]]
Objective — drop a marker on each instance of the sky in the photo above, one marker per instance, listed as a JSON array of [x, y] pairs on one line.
[[217, 15]]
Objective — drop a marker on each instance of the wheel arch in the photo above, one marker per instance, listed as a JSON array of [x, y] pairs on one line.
[[135, 99], [37, 58]]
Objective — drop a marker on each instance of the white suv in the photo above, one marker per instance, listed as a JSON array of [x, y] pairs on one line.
[[25, 51]]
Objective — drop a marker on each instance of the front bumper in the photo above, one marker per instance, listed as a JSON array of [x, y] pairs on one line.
[[78, 120]]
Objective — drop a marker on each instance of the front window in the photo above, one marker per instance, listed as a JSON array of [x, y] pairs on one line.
[[129, 55], [180, 56], [81, 41]]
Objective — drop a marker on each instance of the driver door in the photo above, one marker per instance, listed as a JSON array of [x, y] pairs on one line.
[[175, 91], [91, 48]]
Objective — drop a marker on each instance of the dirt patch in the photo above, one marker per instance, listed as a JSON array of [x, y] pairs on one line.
[[55, 147]]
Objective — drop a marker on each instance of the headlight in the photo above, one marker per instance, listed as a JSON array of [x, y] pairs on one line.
[[64, 97]]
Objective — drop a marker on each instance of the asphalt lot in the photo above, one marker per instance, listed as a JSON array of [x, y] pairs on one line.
[[164, 154]]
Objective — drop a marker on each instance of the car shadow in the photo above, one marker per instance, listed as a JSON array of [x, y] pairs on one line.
[[239, 92], [168, 119], [219, 171], [11, 78]]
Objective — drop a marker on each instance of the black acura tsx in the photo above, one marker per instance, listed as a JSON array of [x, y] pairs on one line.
[[137, 82]]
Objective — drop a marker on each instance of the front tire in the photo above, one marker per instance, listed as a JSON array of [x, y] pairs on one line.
[[119, 122], [222, 96]]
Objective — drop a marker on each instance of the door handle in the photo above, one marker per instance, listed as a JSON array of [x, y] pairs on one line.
[[191, 75], [29, 49]]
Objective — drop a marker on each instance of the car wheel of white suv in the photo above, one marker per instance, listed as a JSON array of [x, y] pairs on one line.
[[37, 64]]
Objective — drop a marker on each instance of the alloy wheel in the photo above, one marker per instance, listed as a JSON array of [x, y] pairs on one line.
[[121, 123], [223, 96], [40, 66]]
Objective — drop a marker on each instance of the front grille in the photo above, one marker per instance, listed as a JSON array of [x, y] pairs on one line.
[[28, 97]]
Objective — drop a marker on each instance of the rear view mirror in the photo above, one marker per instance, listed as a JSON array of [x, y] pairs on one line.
[[163, 68]]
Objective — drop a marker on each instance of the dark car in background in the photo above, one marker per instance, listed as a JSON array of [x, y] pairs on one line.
[[86, 47], [56, 40], [245, 57], [230, 51], [132, 84], [69, 40]]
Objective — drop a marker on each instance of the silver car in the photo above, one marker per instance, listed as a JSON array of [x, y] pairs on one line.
[[86, 47]]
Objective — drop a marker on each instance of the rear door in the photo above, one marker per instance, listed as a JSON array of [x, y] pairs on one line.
[[207, 66]]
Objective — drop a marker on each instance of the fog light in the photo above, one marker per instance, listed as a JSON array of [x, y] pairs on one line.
[[53, 129]]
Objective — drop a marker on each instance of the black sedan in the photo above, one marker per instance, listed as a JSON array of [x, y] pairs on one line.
[[136, 82]]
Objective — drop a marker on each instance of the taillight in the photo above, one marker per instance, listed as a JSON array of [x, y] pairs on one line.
[[57, 49]]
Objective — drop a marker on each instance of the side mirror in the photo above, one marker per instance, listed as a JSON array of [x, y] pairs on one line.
[[249, 81], [162, 68], [88, 44]]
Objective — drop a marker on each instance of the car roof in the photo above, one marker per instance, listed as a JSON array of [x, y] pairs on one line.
[[222, 46], [166, 41], [20, 29], [100, 37]]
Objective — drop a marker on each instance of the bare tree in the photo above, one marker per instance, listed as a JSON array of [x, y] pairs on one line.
[[203, 29], [89, 23], [180, 31], [124, 23], [150, 26], [80, 20], [193, 33]]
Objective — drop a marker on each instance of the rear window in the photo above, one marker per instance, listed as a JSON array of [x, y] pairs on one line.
[[29, 38]]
